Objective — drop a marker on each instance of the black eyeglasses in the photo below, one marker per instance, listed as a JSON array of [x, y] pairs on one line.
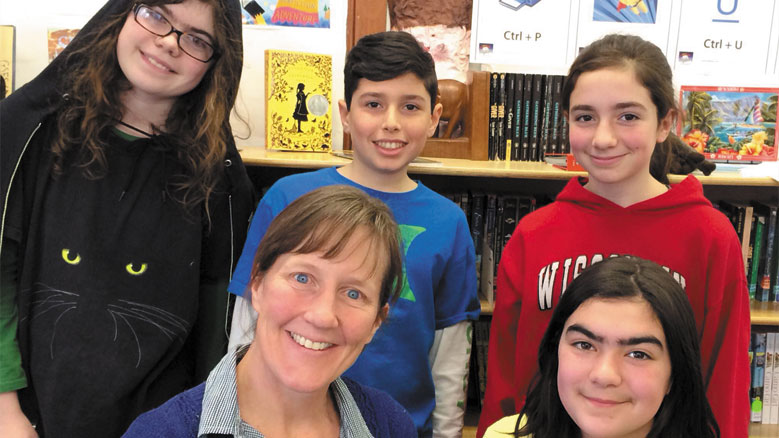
[[193, 45]]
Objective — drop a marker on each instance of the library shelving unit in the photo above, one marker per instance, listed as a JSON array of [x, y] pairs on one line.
[[448, 174], [765, 315], [262, 158]]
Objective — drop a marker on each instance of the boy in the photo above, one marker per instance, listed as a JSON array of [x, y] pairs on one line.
[[420, 354]]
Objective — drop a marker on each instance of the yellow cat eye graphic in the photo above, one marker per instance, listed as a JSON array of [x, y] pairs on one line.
[[71, 261], [133, 271]]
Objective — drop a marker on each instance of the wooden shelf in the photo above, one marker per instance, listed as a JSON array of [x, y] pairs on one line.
[[761, 313], [486, 307], [755, 431], [763, 430], [258, 156]]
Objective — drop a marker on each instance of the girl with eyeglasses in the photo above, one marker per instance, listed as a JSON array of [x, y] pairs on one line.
[[124, 204]]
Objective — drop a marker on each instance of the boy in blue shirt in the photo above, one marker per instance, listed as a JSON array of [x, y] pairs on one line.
[[420, 354]]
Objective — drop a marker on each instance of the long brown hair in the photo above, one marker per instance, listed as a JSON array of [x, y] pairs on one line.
[[685, 411], [198, 122], [651, 68]]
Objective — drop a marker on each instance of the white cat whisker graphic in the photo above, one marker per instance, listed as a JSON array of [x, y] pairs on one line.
[[56, 300], [56, 297], [171, 318], [137, 343], [169, 324]]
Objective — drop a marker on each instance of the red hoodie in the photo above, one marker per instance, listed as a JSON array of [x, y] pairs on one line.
[[679, 230]]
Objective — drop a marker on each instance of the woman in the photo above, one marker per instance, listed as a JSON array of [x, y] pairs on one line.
[[124, 203], [322, 279]]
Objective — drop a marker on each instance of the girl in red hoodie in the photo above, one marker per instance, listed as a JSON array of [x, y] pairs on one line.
[[620, 104]]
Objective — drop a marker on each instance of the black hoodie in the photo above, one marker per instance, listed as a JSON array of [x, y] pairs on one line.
[[120, 290]]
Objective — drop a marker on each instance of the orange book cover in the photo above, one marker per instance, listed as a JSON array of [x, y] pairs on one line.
[[298, 90], [58, 39]]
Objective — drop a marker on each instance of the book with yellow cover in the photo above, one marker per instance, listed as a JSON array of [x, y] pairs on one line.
[[7, 55], [298, 90]]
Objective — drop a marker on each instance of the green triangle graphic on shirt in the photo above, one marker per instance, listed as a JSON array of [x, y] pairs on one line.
[[408, 233]]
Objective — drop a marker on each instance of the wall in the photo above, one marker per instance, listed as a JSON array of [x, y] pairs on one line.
[[32, 19], [753, 74]]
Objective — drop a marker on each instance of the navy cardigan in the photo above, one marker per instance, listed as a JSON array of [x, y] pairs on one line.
[[179, 417]]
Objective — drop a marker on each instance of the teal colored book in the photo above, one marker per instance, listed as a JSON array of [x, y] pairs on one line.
[[758, 374], [757, 255]]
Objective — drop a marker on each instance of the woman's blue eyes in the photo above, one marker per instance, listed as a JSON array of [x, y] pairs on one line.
[[301, 278]]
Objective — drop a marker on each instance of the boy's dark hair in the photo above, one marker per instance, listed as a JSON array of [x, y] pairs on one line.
[[386, 55], [685, 411]]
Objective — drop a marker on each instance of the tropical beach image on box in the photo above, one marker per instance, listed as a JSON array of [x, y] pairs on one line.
[[730, 124]]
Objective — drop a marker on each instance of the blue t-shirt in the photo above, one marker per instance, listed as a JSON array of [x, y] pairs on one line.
[[440, 288]]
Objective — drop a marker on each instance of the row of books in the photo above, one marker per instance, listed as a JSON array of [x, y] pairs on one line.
[[481, 340], [492, 218], [526, 117], [764, 393], [756, 225]]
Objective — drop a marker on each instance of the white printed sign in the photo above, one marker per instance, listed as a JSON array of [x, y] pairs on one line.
[[522, 32], [725, 37], [649, 19]]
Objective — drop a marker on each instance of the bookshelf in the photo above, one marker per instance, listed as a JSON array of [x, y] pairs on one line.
[[761, 313], [368, 16], [266, 166], [755, 431], [258, 156], [764, 314]]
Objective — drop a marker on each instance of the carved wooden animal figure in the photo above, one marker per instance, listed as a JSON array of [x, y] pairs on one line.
[[453, 96]]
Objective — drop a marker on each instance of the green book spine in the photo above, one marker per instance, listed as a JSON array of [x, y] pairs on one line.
[[759, 226]]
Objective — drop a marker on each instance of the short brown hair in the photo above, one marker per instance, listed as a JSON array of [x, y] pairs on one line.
[[324, 220]]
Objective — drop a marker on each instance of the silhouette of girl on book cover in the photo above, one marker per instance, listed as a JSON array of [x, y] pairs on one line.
[[301, 111]]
